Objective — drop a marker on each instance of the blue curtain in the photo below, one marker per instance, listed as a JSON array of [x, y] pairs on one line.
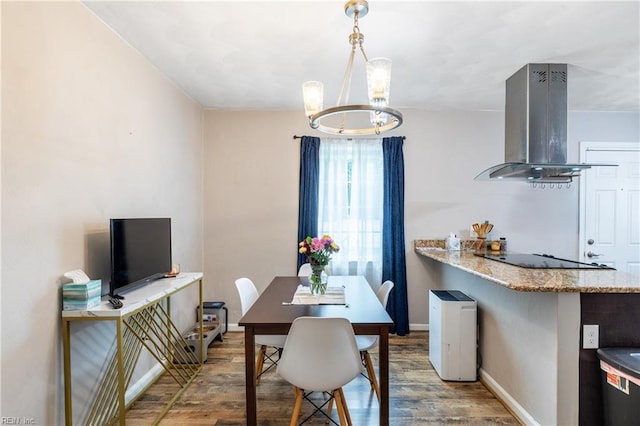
[[394, 266], [308, 192]]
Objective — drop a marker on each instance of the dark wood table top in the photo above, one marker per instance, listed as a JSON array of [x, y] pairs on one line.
[[271, 313]]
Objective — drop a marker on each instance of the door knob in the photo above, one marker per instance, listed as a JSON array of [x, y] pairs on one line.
[[590, 241], [591, 254]]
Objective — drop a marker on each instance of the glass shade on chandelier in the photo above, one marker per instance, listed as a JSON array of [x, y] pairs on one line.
[[313, 93], [378, 88], [341, 119]]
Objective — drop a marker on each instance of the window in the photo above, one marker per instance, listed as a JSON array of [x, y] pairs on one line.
[[350, 204]]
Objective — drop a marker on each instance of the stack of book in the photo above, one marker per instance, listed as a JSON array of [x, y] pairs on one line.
[[332, 296]]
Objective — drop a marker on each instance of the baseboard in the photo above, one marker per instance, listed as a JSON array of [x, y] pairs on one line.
[[418, 327], [512, 405], [136, 389]]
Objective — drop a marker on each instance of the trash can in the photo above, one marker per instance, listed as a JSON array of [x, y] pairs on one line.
[[620, 372]]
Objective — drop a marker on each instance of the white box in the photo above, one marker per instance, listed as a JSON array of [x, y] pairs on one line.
[[452, 335]]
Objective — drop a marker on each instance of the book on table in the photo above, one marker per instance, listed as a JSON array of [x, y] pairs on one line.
[[333, 295]]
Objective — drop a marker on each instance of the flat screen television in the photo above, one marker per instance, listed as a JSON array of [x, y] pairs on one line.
[[140, 252]]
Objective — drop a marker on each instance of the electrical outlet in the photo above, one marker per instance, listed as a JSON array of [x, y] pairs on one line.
[[590, 336]]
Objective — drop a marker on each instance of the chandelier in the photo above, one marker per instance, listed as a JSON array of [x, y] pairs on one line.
[[348, 119]]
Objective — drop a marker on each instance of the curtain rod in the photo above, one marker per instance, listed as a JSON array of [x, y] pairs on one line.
[[349, 139]]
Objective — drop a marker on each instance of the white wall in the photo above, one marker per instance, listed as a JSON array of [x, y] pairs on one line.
[[90, 131], [251, 199], [251, 192]]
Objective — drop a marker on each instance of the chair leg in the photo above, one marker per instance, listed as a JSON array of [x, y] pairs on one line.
[[372, 374], [297, 406], [346, 409], [329, 410], [340, 406], [260, 363]]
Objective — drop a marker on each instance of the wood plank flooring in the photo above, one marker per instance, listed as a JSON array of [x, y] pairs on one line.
[[417, 395]]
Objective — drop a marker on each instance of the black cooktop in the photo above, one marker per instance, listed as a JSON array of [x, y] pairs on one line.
[[541, 261]]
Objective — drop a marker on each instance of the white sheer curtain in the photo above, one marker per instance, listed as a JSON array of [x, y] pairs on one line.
[[350, 204]]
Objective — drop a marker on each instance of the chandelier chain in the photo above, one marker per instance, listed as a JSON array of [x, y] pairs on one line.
[[357, 36], [346, 79]]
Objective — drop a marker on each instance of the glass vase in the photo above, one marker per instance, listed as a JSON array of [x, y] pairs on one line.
[[318, 282]]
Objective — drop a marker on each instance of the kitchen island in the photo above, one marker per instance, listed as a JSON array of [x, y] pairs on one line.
[[530, 323]]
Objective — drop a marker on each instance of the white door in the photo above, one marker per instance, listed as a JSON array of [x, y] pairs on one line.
[[610, 205]]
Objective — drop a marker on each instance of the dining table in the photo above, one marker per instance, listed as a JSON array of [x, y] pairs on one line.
[[273, 313]]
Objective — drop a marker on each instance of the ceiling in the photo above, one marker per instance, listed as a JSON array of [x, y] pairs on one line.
[[447, 55]]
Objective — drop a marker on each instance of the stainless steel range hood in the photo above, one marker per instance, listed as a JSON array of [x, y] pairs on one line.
[[536, 128]]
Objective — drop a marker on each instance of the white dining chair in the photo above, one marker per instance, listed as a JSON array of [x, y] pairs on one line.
[[367, 343], [305, 270], [320, 355], [248, 295]]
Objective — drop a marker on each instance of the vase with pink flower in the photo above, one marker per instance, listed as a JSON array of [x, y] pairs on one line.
[[318, 252]]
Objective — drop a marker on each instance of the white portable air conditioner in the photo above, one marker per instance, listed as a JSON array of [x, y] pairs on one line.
[[452, 335]]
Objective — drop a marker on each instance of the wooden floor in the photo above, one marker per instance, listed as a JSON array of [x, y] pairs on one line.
[[417, 395]]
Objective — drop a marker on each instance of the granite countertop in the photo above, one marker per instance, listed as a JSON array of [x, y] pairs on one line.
[[526, 279]]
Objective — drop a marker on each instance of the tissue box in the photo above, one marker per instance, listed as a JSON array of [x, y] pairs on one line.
[[81, 296], [452, 243]]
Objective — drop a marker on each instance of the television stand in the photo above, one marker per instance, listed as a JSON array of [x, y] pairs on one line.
[[144, 322]]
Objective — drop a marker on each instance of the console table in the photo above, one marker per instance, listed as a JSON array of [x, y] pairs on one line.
[[143, 322]]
